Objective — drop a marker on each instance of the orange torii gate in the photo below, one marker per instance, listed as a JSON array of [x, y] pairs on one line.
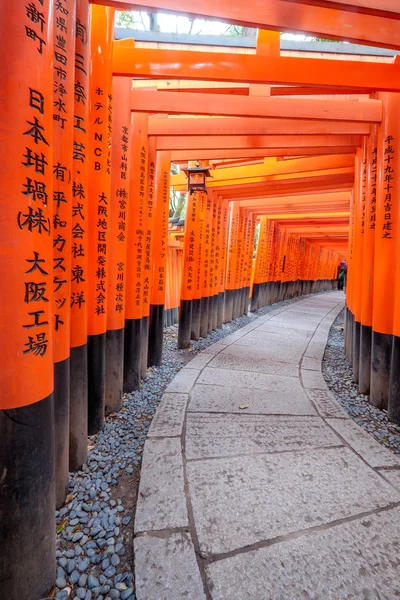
[[86, 206], [374, 23]]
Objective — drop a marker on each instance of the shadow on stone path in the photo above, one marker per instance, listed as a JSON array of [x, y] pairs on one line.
[[255, 483]]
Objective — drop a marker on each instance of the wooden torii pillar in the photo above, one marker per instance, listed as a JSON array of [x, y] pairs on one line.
[[27, 486]]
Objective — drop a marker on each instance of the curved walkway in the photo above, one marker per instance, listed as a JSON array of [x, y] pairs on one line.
[[255, 483]]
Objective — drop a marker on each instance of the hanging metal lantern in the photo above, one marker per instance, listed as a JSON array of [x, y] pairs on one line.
[[197, 173]]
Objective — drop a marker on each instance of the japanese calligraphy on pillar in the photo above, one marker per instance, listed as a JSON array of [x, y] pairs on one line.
[[232, 247], [63, 127], [207, 246], [138, 217], [363, 193], [201, 216], [148, 221], [36, 190], [79, 216], [213, 234], [190, 240], [239, 248], [160, 227], [217, 254], [100, 127], [224, 234], [388, 185], [26, 190], [100, 158], [119, 204], [259, 272], [164, 232], [140, 232], [372, 209]]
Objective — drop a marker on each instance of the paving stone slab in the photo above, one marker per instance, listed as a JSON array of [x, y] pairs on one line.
[[170, 415], [364, 444], [297, 324], [183, 381], [166, 568], [211, 435], [249, 327], [315, 313], [199, 361], [301, 320], [233, 337], [316, 350], [214, 349], [290, 332], [352, 561], [326, 404], [215, 398], [311, 364], [319, 338], [325, 326], [313, 380], [263, 381], [161, 499], [270, 351], [241, 501], [287, 338], [259, 365], [282, 351], [275, 340], [393, 476]]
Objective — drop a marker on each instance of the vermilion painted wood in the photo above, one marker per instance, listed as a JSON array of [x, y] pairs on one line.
[[251, 142], [209, 126], [182, 157], [177, 103], [247, 68], [372, 24]]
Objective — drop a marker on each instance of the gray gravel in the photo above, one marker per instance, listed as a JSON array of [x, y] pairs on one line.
[[339, 377], [95, 527]]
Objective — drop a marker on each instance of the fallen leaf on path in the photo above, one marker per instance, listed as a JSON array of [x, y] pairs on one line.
[[61, 526]]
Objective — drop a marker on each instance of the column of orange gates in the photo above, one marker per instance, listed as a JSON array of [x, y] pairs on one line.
[[136, 253], [385, 388], [78, 402], [217, 261], [188, 277], [100, 127], [243, 264], [237, 264], [205, 267], [360, 190], [148, 248], [119, 207], [260, 272], [223, 259], [282, 263], [268, 288], [349, 284], [63, 126], [198, 255], [231, 254], [26, 303], [168, 287], [367, 265], [386, 242], [248, 263], [160, 240], [211, 291]]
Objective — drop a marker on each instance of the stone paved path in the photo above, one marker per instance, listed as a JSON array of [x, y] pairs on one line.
[[285, 499]]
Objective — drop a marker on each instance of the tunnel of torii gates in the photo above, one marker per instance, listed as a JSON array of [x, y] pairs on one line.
[[301, 154]]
